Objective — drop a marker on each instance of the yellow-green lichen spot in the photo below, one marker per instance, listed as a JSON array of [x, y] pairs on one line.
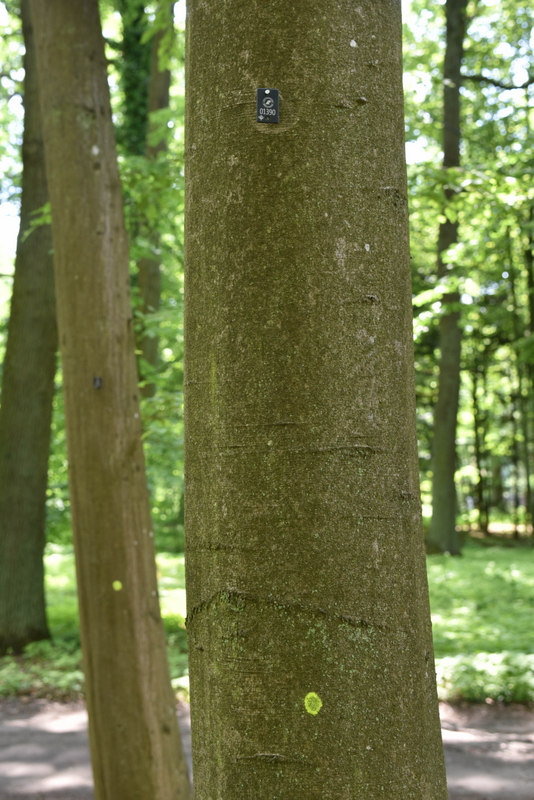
[[313, 703]]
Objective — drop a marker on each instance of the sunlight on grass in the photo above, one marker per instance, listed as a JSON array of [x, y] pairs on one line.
[[171, 583], [482, 613], [54, 668], [482, 606], [173, 602]]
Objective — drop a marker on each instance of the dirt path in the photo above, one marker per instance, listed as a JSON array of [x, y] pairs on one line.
[[489, 750], [44, 753]]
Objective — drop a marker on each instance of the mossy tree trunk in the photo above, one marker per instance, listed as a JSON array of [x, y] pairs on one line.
[[443, 536], [135, 745], [311, 662], [27, 392]]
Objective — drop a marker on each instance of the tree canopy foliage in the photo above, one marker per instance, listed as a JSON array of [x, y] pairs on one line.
[[490, 265], [493, 272]]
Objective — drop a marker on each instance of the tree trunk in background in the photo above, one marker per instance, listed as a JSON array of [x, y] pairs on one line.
[[311, 661], [443, 536], [27, 392], [515, 461], [479, 435], [496, 484], [134, 72], [524, 373], [135, 744], [529, 267], [146, 89], [149, 275]]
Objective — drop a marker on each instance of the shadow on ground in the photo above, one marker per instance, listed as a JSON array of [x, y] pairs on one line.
[[44, 751]]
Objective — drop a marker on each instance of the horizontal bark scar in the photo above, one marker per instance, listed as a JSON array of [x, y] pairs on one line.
[[275, 757], [276, 424], [362, 450], [237, 599]]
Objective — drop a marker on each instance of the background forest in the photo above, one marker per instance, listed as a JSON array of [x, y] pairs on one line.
[[472, 244]]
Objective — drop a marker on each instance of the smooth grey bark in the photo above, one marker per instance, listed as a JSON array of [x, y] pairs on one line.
[[443, 536], [135, 745], [311, 665], [27, 392]]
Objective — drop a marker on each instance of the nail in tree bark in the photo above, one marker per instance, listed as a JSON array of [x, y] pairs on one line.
[[135, 745], [311, 662]]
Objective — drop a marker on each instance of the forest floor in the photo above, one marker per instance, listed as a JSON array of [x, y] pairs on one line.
[[44, 752]]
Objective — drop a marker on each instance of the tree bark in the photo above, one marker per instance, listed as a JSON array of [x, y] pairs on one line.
[[135, 746], [311, 661], [27, 393], [443, 536]]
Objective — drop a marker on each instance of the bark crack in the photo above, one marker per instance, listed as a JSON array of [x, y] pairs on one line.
[[363, 450], [236, 599], [275, 757]]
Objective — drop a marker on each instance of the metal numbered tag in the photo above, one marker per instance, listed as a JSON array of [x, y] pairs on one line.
[[267, 105]]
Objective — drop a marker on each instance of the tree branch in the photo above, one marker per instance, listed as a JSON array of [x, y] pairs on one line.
[[499, 84]]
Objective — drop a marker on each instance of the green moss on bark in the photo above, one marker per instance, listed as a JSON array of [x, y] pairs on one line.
[[301, 465]]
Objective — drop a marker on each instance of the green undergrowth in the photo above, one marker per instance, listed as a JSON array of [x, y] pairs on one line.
[[482, 612], [482, 617], [53, 669]]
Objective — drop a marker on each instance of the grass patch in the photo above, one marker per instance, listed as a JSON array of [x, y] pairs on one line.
[[482, 617], [482, 612], [53, 669]]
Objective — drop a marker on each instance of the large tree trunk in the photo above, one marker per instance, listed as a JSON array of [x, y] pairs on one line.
[[311, 661], [27, 392], [134, 739], [443, 536]]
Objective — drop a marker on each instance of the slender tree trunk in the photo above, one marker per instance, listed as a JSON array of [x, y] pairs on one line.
[[524, 375], [479, 443], [135, 744], [146, 89], [443, 535], [310, 649], [134, 71], [529, 267], [27, 392], [497, 486], [515, 467], [149, 272]]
